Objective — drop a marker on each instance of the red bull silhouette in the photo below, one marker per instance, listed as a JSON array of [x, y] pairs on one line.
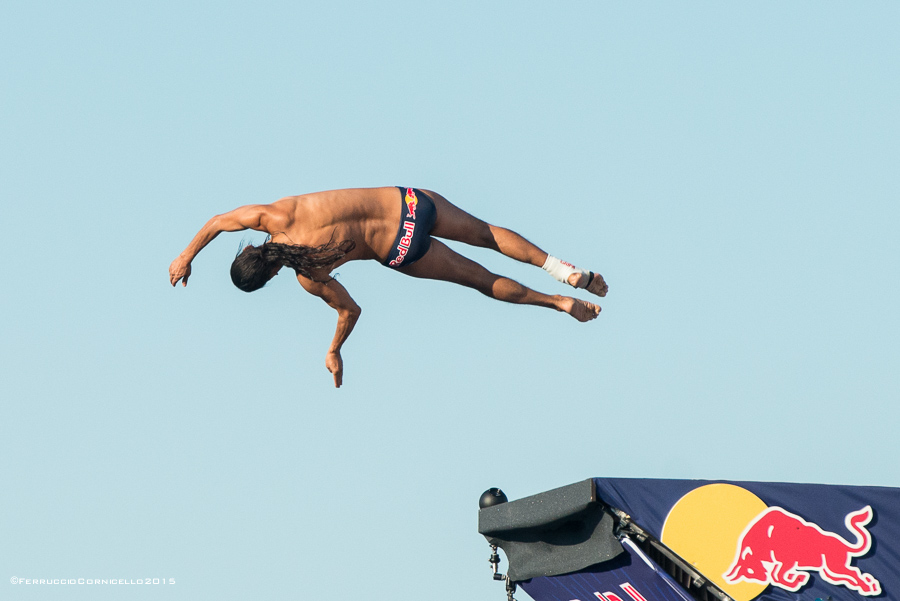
[[411, 202], [781, 548]]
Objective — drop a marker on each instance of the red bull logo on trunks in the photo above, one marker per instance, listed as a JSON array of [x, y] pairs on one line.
[[781, 548], [411, 202], [745, 546], [409, 228]]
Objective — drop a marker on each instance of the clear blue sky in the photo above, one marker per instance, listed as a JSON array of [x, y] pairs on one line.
[[732, 170]]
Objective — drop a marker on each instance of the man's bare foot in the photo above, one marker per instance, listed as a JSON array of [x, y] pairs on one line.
[[594, 285], [579, 309]]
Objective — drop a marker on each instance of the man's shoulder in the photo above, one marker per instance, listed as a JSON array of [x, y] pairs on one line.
[[280, 213]]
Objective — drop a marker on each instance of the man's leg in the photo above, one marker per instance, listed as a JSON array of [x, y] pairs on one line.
[[453, 223], [442, 263]]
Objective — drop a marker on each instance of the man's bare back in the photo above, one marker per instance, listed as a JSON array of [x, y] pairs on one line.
[[368, 216], [315, 233]]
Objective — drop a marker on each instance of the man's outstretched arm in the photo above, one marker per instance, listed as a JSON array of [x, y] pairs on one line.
[[254, 217], [348, 311]]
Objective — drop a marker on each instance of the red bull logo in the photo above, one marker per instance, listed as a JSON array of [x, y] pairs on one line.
[[781, 548], [411, 203], [745, 546]]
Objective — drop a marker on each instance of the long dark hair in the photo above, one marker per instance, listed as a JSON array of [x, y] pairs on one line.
[[252, 267]]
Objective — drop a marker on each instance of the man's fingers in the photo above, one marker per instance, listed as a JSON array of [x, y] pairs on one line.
[[334, 364], [184, 281]]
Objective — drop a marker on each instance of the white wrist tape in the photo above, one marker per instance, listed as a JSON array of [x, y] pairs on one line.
[[560, 270]]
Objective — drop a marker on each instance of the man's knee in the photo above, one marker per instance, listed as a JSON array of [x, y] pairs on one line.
[[486, 234], [474, 275]]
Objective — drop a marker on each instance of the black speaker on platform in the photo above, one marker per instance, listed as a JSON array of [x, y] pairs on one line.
[[491, 497]]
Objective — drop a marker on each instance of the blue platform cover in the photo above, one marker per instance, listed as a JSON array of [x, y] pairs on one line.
[[631, 576], [773, 541]]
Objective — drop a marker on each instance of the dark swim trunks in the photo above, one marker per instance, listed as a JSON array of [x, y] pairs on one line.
[[414, 235]]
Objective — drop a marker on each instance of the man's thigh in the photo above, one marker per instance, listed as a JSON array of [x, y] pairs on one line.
[[442, 263], [453, 223]]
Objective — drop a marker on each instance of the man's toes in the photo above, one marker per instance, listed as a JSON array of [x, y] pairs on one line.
[[598, 286], [584, 311]]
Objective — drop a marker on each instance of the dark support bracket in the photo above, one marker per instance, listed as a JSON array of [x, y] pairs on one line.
[[495, 568]]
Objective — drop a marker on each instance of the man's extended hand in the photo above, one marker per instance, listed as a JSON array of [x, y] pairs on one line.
[[179, 269], [335, 365]]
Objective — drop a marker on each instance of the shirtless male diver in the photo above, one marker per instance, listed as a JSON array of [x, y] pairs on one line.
[[315, 233]]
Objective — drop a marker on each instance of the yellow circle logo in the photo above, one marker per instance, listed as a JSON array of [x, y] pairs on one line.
[[704, 528]]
